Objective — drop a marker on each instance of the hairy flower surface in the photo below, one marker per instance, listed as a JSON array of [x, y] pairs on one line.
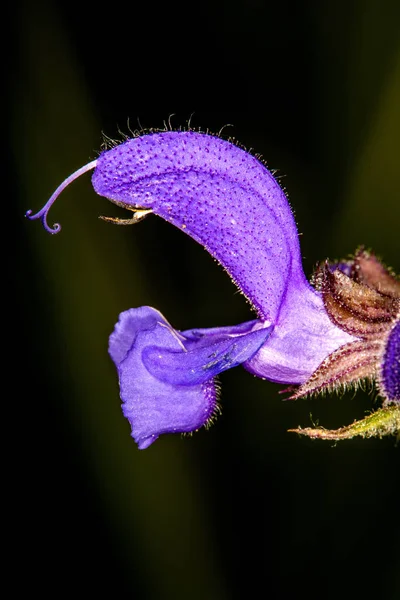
[[362, 298], [228, 201]]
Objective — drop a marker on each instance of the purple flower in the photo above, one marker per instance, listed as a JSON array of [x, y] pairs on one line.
[[229, 202]]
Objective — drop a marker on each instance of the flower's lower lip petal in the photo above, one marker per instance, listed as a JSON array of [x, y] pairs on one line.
[[220, 195], [211, 355], [390, 369], [154, 407]]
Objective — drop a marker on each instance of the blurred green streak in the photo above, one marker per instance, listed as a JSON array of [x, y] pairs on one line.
[[359, 130], [371, 208], [150, 498]]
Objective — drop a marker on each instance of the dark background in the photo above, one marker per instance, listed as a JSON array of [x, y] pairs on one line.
[[244, 508]]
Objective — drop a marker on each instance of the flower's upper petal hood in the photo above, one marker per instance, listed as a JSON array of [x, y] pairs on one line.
[[218, 194], [230, 203], [166, 380]]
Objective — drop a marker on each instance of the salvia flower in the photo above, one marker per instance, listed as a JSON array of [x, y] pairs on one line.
[[342, 329]]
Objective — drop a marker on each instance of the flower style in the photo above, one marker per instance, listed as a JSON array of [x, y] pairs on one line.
[[342, 329]]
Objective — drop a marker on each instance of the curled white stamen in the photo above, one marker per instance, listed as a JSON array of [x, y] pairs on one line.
[[42, 214]]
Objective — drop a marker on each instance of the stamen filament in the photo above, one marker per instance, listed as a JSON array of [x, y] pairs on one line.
[[138, 215]]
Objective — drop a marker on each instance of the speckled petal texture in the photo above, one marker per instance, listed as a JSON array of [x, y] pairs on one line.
[[218, 194]]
